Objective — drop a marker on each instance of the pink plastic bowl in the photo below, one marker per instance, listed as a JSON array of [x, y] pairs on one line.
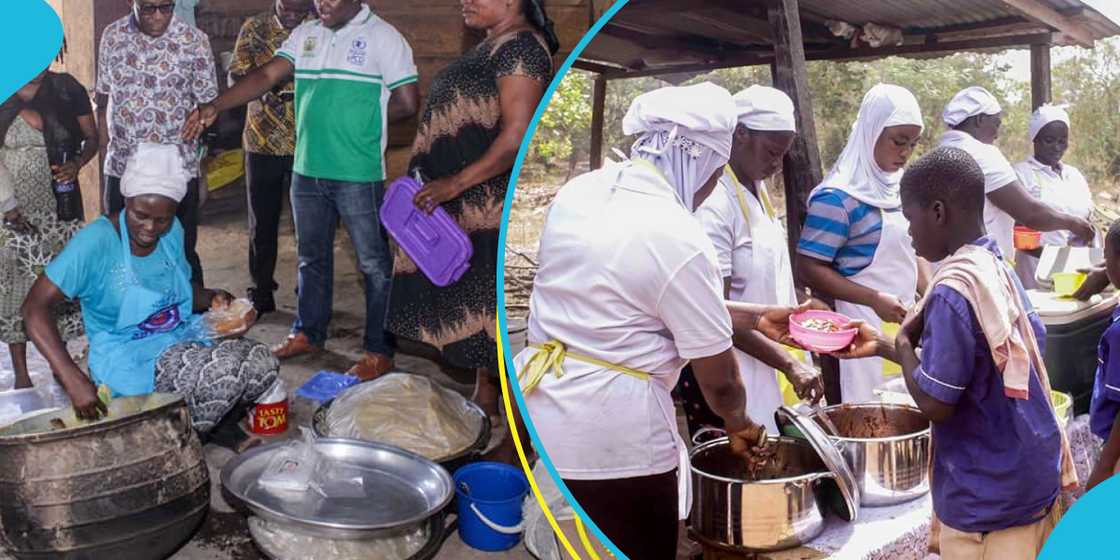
[[818, 341]]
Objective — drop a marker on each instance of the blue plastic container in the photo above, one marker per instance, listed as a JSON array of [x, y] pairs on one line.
[[489, 497]]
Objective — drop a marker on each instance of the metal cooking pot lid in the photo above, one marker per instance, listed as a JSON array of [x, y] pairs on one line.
[[397, 488], [833, 459]]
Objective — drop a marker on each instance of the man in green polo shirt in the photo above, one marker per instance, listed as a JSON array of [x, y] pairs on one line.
[[354, 74]]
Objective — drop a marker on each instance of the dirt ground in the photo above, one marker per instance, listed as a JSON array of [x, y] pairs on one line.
[[223, 247]]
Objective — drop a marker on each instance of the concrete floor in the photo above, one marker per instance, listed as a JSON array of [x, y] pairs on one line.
[[223, 247]]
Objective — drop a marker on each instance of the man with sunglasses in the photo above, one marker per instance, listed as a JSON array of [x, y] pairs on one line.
[[152, 70], [269, 140]]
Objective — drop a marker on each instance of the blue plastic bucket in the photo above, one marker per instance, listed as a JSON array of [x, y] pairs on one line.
[[489, 497]]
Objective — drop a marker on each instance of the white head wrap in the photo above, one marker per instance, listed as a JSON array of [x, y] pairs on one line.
[[969, 102], [155, 169], [765, 108], [685, 132], [856, 171], [1045, 115]]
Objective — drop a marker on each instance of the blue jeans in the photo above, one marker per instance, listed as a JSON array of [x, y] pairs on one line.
[[317, 204]]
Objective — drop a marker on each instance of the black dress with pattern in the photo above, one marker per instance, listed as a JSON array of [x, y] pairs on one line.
[[461, 119]]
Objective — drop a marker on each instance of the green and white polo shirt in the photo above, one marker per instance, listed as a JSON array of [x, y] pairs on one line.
[[343, 82]]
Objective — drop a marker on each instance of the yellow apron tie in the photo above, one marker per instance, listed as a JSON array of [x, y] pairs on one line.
[[550, 357]]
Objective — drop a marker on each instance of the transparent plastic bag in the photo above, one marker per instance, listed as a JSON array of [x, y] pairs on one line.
[[407, 411], [292, 468], [231, 321], [282, 544]]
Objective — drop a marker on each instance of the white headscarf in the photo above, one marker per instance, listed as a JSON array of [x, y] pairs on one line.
[[856, 171], [1045, 115], [765, 108], [155, 169], [969, 102], [685, 133]]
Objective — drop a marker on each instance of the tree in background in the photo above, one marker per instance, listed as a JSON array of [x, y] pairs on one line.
[[1086, 79]]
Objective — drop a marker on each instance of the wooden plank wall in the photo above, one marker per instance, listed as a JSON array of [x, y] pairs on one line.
[[434, 28]]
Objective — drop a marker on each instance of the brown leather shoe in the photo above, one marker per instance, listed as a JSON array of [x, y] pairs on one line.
[[295, 345], [371, 366]]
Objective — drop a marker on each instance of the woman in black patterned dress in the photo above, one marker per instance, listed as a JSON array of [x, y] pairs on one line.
[[476, 114]]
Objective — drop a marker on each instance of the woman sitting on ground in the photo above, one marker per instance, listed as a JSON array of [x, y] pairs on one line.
[[129, 272]]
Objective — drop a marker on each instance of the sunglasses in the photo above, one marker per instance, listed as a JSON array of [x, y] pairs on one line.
[[150, 9]]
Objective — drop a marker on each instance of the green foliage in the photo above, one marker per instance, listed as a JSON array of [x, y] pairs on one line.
[[1089, 80]]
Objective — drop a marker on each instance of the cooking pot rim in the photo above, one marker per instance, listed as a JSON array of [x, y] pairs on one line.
[[807, 477], [888, 439], [101, 426]]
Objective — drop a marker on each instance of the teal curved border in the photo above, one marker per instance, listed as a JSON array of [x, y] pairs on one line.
[[501, 276], [1084, 531], [32, 36]]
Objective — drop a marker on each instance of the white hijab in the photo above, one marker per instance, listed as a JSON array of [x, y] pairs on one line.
[[685, 133], [856, 172]]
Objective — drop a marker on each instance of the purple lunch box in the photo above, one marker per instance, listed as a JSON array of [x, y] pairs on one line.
[[434, 241]]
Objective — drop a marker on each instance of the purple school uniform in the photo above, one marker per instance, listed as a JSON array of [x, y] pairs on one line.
[[996, 459], [1106, 389]]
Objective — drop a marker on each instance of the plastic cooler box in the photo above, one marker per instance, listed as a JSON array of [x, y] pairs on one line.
[[1073, 329], [434, 241]]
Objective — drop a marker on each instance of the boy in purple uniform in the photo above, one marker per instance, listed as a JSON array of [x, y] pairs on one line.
[[996, 458], [1103, 413]]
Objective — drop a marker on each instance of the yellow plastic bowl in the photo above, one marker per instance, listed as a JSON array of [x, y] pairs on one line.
[[1066, 283], [1062, 405]]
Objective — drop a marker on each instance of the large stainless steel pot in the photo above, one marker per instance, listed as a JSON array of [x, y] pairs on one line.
[[886, 446], [775, 510]]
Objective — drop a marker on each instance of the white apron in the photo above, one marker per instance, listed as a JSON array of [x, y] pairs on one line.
[[1056, 194], [550, 363], [769, 280], [893, 270]]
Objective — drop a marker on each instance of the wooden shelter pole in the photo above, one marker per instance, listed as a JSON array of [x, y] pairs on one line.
[[598, 105], [801, 167], [1040, 75]]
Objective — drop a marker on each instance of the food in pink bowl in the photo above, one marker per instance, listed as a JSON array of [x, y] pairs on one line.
[[821, 331]]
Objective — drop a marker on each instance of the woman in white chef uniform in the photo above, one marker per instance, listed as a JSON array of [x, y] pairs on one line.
[[753, 257], [855, 244], [1058, 184], [627, 292]]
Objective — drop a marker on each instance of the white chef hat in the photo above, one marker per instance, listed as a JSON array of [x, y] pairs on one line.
[[970, 102], [765, 108], [155, 169], [1045, 115], [705, 112]]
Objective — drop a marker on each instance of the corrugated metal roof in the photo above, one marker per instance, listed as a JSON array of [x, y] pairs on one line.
[[649, 34]]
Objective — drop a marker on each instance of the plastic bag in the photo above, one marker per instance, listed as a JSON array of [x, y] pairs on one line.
[[282, 544], [407, 411], [291, 469], [231, 321]]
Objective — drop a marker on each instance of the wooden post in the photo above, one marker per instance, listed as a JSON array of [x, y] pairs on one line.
[[1040, 75], [598, 105], [801, 167]]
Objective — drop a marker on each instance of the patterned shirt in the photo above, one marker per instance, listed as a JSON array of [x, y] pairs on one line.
[[841, 230], [153, 83], [270, 123]]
